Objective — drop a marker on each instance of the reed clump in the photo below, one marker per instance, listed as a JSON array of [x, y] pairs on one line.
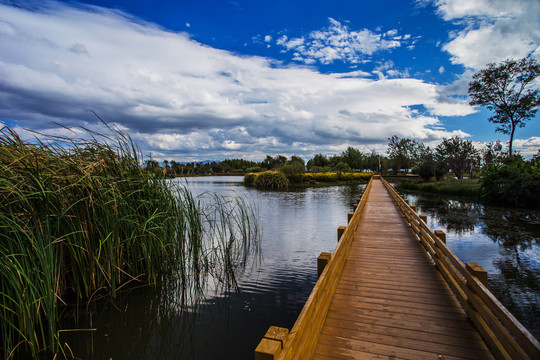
[[268, 180], [81, 218]]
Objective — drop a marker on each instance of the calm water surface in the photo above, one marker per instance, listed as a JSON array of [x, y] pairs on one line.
[[296, 226]]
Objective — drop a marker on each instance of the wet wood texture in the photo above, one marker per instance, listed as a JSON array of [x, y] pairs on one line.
[[391, 302]]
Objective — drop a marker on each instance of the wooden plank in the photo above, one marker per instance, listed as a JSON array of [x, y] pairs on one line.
[[392, 285], [348, 348], [412, 281], [358, 354], [425, 298], [404, 343], [458, 329], [446, 338], [415, 302], [397, 308]]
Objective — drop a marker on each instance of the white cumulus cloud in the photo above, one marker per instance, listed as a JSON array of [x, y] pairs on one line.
[[492, 30], [527, 147], [180, 99], [338, 42]]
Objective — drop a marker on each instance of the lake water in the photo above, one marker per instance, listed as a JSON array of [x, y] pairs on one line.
[[297, 226]]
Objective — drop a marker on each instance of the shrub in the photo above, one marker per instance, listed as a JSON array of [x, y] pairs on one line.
[[271, 180], [430, 187], [323, 177], [293, 172], [408, 185], [465, 187], [254, 169], [514, 183], [354, 176], [249, 179]]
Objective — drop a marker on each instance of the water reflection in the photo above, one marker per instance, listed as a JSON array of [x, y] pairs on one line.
[[227, 323], [506, 242], [512, 228]]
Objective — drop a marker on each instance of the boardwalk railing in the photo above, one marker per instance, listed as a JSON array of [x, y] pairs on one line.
[[301, 342], [505, 336]]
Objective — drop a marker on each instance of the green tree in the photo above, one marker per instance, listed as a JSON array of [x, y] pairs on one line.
[[152, 166], [342, 167], [459, 155], [515, 182], [294, 169], [353, 157], [492, 153], [535, 160], [508, 90], [272, 163], [373, 160], [333, 162], [296, 160], [403, 153], [431, 165], [319, 161]]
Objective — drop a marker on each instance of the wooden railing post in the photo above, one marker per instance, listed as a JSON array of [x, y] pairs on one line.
[[478, 271], [441, 235], [322, 261], [349, 216], [423, 217], [413, 207], [272, 343], [340, 231]]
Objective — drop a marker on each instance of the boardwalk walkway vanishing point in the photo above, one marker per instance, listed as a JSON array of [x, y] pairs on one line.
[[393, 290]]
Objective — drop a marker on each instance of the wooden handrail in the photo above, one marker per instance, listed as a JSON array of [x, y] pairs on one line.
[[505, 336], [302, 339]]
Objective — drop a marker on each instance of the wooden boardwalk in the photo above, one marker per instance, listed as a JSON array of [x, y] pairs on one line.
[[392, 289], [391, 301]]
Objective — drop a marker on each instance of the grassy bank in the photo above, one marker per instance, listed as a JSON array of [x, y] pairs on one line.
[[465, 187], [81, 219]]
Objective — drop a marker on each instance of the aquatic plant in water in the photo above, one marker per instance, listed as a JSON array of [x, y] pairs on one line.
[[80, 219]]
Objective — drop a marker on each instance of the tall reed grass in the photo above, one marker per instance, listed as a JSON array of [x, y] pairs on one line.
[[80, 218]]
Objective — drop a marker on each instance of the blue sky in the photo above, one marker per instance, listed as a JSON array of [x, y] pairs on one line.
[[199, 80]]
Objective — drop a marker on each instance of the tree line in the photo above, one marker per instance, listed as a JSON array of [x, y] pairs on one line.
[[403, 156]]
